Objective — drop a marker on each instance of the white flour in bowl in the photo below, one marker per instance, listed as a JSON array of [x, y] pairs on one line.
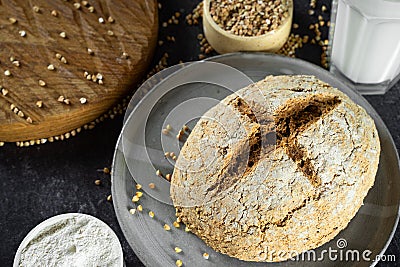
[[72, 240]]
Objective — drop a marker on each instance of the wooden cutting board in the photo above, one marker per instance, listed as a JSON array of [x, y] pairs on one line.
[[37, 36]]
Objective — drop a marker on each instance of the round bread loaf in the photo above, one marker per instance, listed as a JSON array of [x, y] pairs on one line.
[[64, 64], [275, 169]]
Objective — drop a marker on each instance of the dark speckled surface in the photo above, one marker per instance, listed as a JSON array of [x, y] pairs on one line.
[[41, 181]]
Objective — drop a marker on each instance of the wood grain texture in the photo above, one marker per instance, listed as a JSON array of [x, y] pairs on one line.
[[133, 32]]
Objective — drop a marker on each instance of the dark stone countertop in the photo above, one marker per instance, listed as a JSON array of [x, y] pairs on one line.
[[42, 181]]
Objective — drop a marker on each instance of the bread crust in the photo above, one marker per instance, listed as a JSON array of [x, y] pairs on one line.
[[253, 210]]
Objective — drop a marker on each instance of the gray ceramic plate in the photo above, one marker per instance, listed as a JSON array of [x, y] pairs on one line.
[[371, 229]]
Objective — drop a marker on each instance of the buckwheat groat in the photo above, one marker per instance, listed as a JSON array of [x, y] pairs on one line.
[[282, 165]]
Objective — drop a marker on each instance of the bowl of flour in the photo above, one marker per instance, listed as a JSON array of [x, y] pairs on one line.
[[71, 239]]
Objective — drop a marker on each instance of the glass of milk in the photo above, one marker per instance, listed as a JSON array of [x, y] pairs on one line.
[[364, 45]]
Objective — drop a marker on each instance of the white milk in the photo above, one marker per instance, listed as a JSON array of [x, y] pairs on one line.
[[366, 43]]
